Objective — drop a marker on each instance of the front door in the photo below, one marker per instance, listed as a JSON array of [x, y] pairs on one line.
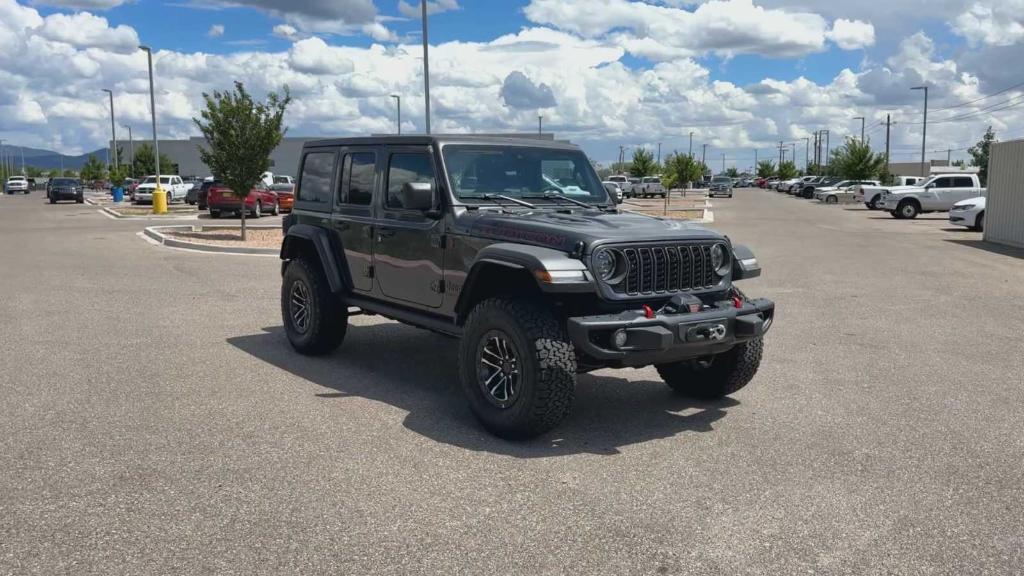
[[408, 253]]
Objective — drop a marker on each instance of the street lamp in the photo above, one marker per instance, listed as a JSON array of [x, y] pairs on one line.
[[691, 145], [426, 64], [807, 152], [131, 149], [398, 104], [159, 196], [113, 131], [540, 125], [861, 118], [924, 130]]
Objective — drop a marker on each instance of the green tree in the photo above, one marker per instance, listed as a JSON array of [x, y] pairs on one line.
[[787, 170], [240, 134], [855, 160], [145, 163], [93, 169], [643, 163], [765, 169], [979, 154], [732, 172], [681, 170]]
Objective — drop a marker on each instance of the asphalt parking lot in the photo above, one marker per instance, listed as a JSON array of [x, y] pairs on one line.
[[155, 421]]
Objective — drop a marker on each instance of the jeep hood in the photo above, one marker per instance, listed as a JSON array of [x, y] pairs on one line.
[[562, 230]]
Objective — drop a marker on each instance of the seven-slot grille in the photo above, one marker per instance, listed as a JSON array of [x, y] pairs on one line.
[[666, 269]]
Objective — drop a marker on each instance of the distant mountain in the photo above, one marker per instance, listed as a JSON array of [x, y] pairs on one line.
[[48, 159]]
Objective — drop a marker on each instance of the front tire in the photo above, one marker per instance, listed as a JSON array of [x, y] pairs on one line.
[[315, 319], [979, 223], [831, 200], [716, 376], [908, 210], [517, 368], [873, 204], [215, 214], [257, 210], [276, 210]]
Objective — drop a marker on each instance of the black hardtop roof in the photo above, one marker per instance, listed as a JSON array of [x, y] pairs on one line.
[[425, 140]]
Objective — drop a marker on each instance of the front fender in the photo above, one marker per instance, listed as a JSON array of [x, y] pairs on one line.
[[554, 270], [744, 264]]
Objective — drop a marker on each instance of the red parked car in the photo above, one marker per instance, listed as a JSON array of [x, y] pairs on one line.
[[261, 200]]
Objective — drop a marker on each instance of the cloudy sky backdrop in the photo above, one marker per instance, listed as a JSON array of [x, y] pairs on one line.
[[741, 74]]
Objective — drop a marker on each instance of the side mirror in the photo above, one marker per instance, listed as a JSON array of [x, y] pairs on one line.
[[418, 196]]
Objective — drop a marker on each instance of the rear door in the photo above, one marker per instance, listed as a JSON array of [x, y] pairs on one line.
[[964, 188], [408, 251], [353, 219]]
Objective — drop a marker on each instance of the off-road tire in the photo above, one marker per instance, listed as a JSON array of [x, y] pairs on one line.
[[327, 314], [547, 367], [727, 373], [979, 223]]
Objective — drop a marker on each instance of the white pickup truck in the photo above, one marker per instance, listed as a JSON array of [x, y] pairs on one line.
[[938, 194], [649, 187], [870, 195], [174, 186]]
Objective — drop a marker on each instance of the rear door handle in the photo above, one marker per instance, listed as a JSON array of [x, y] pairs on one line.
[[384, 233]]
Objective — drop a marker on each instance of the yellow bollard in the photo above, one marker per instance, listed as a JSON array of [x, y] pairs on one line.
[[159, 200]]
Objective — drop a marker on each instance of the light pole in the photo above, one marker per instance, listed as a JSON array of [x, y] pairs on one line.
[[540, 125], [861, 118], [659, 153], [723, 162], [159, 196], [3, 165], [691, 145], [924, 130], [426, 64], [131, 150], [398, 105], [807, 153], [113, 130]]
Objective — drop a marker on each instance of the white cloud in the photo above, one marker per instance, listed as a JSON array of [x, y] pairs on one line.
[[415, 10], [723, 27], [286, 31], [992, 22], [852, 34], [314, 56], [84, 30], [215, 31]]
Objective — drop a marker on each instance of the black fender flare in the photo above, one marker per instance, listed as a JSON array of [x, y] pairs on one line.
[[322, 242], [536, 261], [744, 264]]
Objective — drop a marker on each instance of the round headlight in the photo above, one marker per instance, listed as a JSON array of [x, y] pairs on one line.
[[605, 264], [720, 259]]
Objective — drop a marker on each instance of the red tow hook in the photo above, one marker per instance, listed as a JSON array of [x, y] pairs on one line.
[[737, 302], [648, 312]]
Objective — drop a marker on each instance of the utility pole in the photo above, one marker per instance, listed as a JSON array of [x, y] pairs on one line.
[[659, 153], [691, 145], [113, 129], [781, 153], [159, 206], [703, 159], [862, 120], [924, 131], [807, 153], [426, 64], [755, 159], [888, 128], [949, 159], [398, 112], [793, 144], [723, 162], [131, 150], [22, 148], [540, 125], [828, 147]]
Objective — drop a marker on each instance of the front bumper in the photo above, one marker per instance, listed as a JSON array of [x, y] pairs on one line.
[[65, 194], [669, 337]]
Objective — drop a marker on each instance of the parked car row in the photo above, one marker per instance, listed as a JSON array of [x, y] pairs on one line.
[[960, 194]]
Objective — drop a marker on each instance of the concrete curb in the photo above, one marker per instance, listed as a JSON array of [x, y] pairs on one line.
[[113, 214], [154, 233]]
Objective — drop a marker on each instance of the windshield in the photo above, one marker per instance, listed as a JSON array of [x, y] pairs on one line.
[[63, 182], [721, 179], [281, 180], [651, 180], [521, 172]]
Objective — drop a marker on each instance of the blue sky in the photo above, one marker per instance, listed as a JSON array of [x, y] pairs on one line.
[[607, 73]]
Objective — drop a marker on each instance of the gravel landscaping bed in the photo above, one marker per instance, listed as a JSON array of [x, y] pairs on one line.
[[256, 237]]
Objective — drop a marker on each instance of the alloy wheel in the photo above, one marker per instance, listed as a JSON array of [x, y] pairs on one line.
[[498, 367], [299, 306]]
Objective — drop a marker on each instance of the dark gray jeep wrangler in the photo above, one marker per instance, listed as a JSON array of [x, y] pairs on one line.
[[515, 247]]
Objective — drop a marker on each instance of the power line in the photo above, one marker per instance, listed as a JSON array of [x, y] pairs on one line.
[[968, 103]]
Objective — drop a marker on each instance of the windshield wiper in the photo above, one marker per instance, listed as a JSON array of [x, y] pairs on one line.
[[496, 197], [551, 195]]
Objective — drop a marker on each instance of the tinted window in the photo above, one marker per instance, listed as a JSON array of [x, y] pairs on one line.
[[406, 168], [358, 178], [962, 182], [944, 183], [317, 174]]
